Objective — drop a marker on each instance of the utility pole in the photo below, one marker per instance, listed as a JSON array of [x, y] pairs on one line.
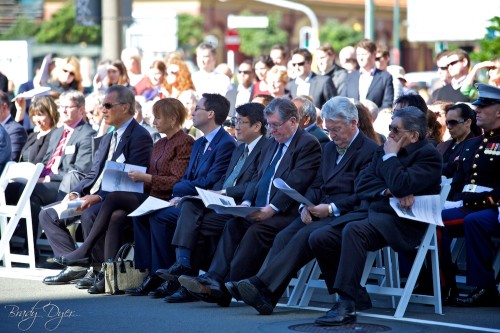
[[369, 20], [112, 34]]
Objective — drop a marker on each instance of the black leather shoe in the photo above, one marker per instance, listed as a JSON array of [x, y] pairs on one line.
[[255, 298], [180, 296], [232, 288], [98, 285], [65, 276], [174, 272], [342, 313], [363, 302], [204, 288], [87, 280], [72, 262], [150, 283], [167, 288], [479, 297]]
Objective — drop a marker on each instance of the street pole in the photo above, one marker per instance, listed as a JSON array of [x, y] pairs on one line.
[[369, 20], [396, 51], [111, 30], [314, 39]]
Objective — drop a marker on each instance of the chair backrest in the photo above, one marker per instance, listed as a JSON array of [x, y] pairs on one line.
[[445, 189]]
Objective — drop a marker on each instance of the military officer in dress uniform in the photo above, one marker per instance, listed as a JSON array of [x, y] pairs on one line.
[[476, 192]]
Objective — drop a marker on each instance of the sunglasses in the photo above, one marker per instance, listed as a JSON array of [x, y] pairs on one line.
[[396, 130], [69, 72], [443, 68], [453, 123], [378, 58], [453, 63], [109, 106], [299, 64], [244, 72]]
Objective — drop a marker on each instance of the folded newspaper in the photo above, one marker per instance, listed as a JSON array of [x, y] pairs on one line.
[[115, 177], [66, 209], [222, 204], [150, 205], [292, 193], [426, 208]]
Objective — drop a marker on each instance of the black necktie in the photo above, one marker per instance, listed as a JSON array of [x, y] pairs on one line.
[[200, 153], [265, 181]]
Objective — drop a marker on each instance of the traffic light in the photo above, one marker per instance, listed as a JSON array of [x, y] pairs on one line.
[[305, 37]]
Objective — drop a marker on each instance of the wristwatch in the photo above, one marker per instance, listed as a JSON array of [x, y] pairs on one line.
[[330, 210]]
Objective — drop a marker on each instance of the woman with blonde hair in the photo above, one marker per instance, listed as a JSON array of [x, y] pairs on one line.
[[66, 76], [178, 78], [277, 79]]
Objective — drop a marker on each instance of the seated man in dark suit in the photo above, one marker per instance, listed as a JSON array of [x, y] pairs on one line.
[[307, 114], [308, 83], [17, 134], [476, 186], [406, 166], [294, 156], [5, 148], [129, 143], [196, 221], [333, 196], [368, 82], [209, 160]]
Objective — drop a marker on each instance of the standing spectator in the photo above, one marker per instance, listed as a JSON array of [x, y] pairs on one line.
[[277, 79], [493, 68], [155, 85], [117, 75], [178, 78], [261, 66], [17, 134], [347, 58], [279, 55], [458, 63], [131, 59], [206, 80], [242, 92], [307, 83], [325, 59], [66, 76], [476, 191], [369, 82]]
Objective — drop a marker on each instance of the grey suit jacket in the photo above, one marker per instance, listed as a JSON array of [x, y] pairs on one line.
[[77, 154], [247, 172]]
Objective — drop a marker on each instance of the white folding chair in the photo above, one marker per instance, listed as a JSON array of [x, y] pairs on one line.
[[10, 215], [299, 284], [428, 244]]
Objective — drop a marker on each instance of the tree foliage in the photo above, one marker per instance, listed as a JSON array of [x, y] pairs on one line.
[[490, 44], [338, 35], [189, 31], [23, 28], [255, 42], [61, 28]]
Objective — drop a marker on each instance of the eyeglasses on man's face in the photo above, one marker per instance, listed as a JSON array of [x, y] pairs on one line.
[[453, 122], [239, 122], [109, 106], [299, 64], [396, 131], [198, 108], [271, 126]]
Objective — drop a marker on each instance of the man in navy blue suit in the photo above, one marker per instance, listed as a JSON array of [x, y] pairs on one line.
[[209, 160], [368, 82], [16, 132]]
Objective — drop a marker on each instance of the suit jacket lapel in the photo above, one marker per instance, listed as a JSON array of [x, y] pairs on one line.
[[374, 83]]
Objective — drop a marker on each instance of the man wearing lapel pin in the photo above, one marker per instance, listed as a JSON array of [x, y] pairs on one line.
[[332, 194], [129, 143], [294, 156], [208, 163], [198, 222]]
